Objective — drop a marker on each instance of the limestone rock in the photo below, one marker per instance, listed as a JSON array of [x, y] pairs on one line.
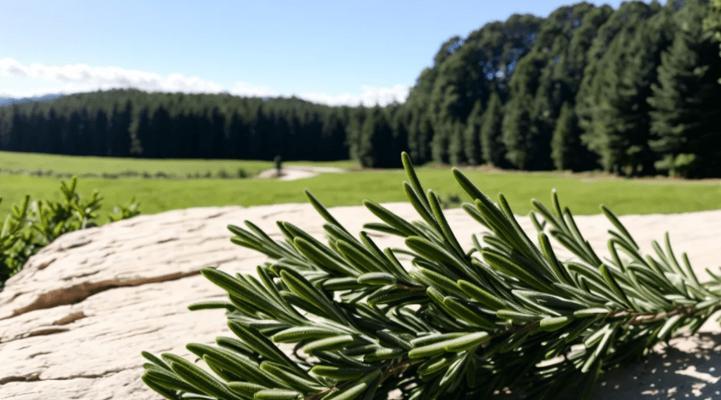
[[74, 321]]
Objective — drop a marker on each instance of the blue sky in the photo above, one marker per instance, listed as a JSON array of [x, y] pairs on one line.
[[341, 51]]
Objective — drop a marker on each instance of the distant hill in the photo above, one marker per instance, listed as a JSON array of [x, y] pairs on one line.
[[4, 101]]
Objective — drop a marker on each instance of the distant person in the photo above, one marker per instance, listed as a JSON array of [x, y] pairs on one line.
[[278, 161]]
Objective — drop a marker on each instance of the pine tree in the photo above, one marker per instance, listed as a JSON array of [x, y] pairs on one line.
[[619, 125], [472, 135], [377, 141], [686, 122], [601, 93], [119, 135], [520, 137], [440, 142], [420, 136], [494, 151], [566, 148], [368, 138], [712, 24], [456, 153], [346, 320]]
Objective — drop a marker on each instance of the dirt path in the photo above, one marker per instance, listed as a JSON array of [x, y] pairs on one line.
[[299, 172]]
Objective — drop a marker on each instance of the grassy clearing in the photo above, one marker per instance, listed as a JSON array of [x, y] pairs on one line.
[[583, 193], [79, 165]]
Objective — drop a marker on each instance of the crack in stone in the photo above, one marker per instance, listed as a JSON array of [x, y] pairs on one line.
[[70, 318], [43, 331], [35, 376], [55, 327], [32, 377], [83, 275], [38, 354], [46, 263], [81, 291], [74, 245]]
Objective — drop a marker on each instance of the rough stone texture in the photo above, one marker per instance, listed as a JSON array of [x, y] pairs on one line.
[[73, 322]]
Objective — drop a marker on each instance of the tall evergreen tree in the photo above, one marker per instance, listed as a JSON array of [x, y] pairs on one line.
[[376, 141], [465, 71], [524, 145], [686, 122], [601, 76], [494, 151], [619, 123], [566, 148], [456, 154], [546, 78], [119, 136], [440, 142], [713, 22], [472, 135], [420, 135]]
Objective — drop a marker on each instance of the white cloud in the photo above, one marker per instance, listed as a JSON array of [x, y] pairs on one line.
[[83, 75], [38, 79], [369, 95], [248, 89]]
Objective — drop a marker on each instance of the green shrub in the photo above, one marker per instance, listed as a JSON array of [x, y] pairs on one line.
[[348, 320], [32, 225]]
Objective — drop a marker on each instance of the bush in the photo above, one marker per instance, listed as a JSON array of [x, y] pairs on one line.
[[32, 225], [347, 320]]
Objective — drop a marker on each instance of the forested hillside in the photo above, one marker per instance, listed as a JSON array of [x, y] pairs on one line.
[[633, 91]]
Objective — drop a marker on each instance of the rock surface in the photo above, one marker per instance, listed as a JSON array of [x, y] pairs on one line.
[[73, 322]]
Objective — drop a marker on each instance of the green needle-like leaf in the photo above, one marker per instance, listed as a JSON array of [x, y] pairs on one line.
[[431, 319]]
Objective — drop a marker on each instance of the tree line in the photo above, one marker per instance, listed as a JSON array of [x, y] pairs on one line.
[[633, 91], [132, 123]]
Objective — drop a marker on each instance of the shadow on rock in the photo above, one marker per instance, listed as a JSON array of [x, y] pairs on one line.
[[690, 368]]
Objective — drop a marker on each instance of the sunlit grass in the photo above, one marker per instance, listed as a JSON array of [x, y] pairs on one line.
[[583, 193], [58, 165]]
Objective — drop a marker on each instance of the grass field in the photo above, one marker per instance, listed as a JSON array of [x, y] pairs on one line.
[[582, 192], [76, 165]]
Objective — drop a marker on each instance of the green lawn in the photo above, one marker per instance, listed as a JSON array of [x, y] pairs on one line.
[[78, 165], [583, 193]]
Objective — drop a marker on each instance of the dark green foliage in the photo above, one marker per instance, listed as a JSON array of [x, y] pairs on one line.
[[494, 151], [566, 149], [590, 93], [466, 71], [177, 125], [712, 24], [521, 138], [34, 224], [344, 319], [472, 136], [456, 142], [686, 122], [613, 104], [378, 139], [441, 142], [544, 80], [10, 240]]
